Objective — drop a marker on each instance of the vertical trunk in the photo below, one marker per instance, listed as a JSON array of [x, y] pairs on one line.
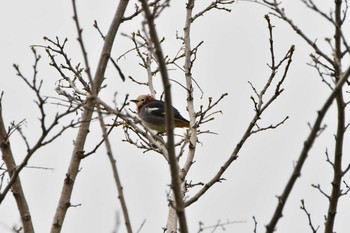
[[67, 189], [16, 188], [339, 140], [171, 226]]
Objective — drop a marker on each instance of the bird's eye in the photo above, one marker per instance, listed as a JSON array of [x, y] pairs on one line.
[[142, 100]]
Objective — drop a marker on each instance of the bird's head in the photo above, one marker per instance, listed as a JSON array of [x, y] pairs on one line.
[[142, 100]]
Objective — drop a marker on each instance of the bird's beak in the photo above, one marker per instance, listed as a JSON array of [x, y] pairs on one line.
[[135, 101]]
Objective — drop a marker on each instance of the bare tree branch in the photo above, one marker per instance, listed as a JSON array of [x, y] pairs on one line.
[[173, 163], [46, 128], [78, 151], [318, 187], [217, 4], [310, 4], [16, 185], [313, 229], [340, 78], [305, 150], [255, 225], [279, 12], [219, 225], [260, 105], [340, 103], [81, 42], [110, 58], [116, 176]]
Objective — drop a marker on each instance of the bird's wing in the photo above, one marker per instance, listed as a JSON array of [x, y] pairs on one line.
[[157, 108]]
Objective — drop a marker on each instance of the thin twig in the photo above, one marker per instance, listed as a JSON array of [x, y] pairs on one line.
[[313, 229], [81, 42]]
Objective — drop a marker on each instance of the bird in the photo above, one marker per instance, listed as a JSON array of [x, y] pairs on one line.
[[152, 114]]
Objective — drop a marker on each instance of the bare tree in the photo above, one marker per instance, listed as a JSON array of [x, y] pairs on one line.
[[330, 67], [79, 95]]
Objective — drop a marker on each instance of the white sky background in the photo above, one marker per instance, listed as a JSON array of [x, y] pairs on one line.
[[235, 51]]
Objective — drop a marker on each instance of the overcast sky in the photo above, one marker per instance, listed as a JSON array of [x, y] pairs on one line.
[[235, 51]]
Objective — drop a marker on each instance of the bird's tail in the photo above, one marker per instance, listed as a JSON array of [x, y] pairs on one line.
[[182, 123]]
